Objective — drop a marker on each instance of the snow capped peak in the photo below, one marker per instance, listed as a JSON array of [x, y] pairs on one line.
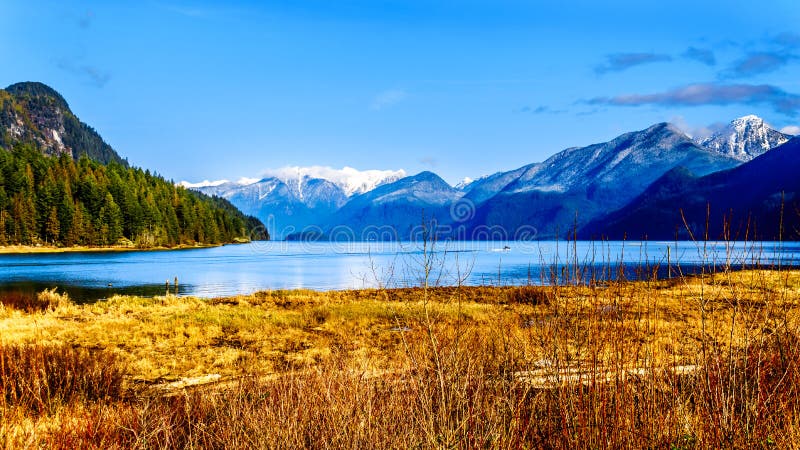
[[744, 138], [352, 181], [748, 118]]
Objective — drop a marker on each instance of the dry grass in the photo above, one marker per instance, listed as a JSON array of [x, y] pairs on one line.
[[39, 378], [695, 362]]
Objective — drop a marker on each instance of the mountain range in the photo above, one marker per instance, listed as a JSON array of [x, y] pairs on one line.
[[758, 199], [297, 199], [574, 189], [579, 184], [738, 182]]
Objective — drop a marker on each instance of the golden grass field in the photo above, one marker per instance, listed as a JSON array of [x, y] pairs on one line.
[[692, 362]]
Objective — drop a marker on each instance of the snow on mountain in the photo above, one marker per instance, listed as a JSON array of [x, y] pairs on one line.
[[591, 181], [424, 188], [292, 199], [395, 209], [352, 181], [627, 163], [488, 186], [746, 202], [588, 181], [285, 207], [310, 192], [745, 138]]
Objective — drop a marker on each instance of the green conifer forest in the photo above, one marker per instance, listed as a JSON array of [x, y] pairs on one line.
[[66, 202]]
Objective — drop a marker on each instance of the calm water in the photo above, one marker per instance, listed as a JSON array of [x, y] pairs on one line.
[[235, 269]]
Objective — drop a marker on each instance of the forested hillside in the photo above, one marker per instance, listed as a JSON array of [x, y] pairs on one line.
[[61, 201]]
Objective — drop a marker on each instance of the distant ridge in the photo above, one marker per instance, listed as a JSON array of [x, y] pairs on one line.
[[757, 200]]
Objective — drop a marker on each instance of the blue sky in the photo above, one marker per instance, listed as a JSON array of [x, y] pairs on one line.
[[207, 90]]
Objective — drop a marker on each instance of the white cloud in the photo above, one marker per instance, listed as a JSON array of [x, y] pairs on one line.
[[466, 181], [695, 131], [204, 183], [353, 181], [794, 130], [429, 161], [682, 124], [244, 181], [388, 98]]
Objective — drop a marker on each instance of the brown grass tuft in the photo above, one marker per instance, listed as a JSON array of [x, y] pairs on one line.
[[30, 302], [39, 378]]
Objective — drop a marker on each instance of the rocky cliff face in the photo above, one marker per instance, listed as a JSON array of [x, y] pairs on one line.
[[36, 114]]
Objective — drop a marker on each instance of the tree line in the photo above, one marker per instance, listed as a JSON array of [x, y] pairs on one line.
[[64, 202]]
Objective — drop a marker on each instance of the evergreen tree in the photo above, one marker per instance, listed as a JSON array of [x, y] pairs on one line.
[[3, 221], [111, 220], [53, 227], [76, 234]]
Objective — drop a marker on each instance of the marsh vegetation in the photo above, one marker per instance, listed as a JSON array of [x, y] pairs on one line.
[[706, 361]]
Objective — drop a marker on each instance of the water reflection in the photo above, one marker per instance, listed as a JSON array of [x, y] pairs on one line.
[[236, 269]]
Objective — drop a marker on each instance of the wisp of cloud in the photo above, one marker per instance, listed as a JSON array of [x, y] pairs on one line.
[[702, 94], [618, 62]]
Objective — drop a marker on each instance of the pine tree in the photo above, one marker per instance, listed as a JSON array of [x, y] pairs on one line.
[[53, 227], [3, 220], [76, 234], [66, 210], [111, 220]]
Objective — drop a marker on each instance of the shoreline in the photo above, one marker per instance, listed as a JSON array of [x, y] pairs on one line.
[[29, 249]]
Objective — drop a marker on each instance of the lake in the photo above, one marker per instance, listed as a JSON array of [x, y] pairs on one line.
[[246, 268]]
